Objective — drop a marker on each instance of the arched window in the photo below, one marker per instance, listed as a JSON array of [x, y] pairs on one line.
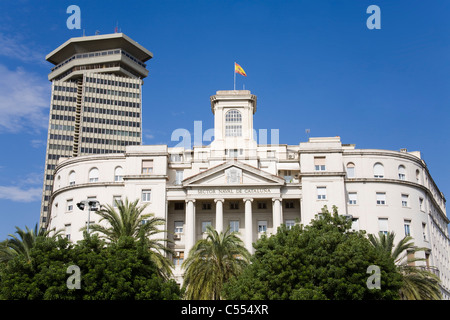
[[71, 178], [118, 174], [93, 175], [233, 124], [401, 172], [350, 170], [378, 170], [417, 176]]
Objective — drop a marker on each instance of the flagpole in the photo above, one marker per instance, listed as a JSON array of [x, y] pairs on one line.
[[234, 71]]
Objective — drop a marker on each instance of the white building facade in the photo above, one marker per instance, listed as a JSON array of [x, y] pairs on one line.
[[253, 189]]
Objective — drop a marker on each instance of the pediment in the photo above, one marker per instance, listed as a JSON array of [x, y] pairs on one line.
[[233, 173]]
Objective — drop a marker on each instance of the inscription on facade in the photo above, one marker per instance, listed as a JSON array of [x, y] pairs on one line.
[[233, 191]]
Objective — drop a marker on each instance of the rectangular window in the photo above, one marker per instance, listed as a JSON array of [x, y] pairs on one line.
[[233, 153], [116, 199], [289, 204], [146, 195], [178, 177], [69, 205], [407, 227], [424, 231], [176, 158], [206, 206], [262, 205], [178, 258], [383, 225], [262, 226], [381, 198], [178, 226], [179, 205], [321, 193], [147, 166], [405, 200], [352, 198], [421, 206], [67, 231], [205, 224], [234, 226], [234, 205], [234, 130], [290, 224], [355, 224], [319, 163]]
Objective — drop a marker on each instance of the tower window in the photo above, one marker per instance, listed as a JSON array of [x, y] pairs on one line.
[[233, 124]]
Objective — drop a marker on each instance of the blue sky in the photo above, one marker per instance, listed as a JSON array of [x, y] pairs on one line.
[[312, 64]]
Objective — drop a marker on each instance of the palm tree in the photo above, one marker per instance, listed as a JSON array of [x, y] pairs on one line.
[[418, 283], [128, 221], [22, 244], [212, 262]]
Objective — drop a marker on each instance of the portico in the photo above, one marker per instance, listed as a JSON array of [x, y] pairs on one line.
[[232, 195]]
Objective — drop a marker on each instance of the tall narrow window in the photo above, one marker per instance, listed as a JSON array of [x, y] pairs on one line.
[[352, 198], [93, 175], [381, 198], [178, 177], [147, 166], [350, 170], [407, 227], [355, 224], [421, 206], [405, 198], [234, 226], [233, 124], [383, 225], [67, 230], [71, 178], [378, 170], [319, 163], [178, 258], [321, 193], [118, 174], [424, 231], [69, 206], [146, 195], [116, 201], [402, 172], [179, 227]]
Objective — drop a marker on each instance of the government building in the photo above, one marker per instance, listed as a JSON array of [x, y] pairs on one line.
[[253, 189]]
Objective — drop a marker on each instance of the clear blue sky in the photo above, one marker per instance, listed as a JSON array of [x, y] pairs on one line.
[[312, 64]]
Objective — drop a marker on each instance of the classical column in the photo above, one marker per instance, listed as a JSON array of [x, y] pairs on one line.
[[219, 214], [276, 212], [248, 225], [189, 234]]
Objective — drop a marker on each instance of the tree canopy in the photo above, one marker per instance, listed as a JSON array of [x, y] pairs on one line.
[[324, 260], [122, 270]]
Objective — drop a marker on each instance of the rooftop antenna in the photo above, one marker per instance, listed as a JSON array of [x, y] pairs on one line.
[[97, 32], [116, 29], [307, 131]]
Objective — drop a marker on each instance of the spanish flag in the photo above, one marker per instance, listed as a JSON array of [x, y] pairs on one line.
[[238, 69]]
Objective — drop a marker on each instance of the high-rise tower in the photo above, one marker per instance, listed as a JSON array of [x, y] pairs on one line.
[[96, 102]]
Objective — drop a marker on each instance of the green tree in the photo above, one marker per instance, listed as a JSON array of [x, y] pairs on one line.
[[212, 262], [128, 221], [418, 283], [323, 260], [122, 270], [22, 244]]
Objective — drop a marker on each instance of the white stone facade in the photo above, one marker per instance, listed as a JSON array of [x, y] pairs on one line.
[[255, 188]]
